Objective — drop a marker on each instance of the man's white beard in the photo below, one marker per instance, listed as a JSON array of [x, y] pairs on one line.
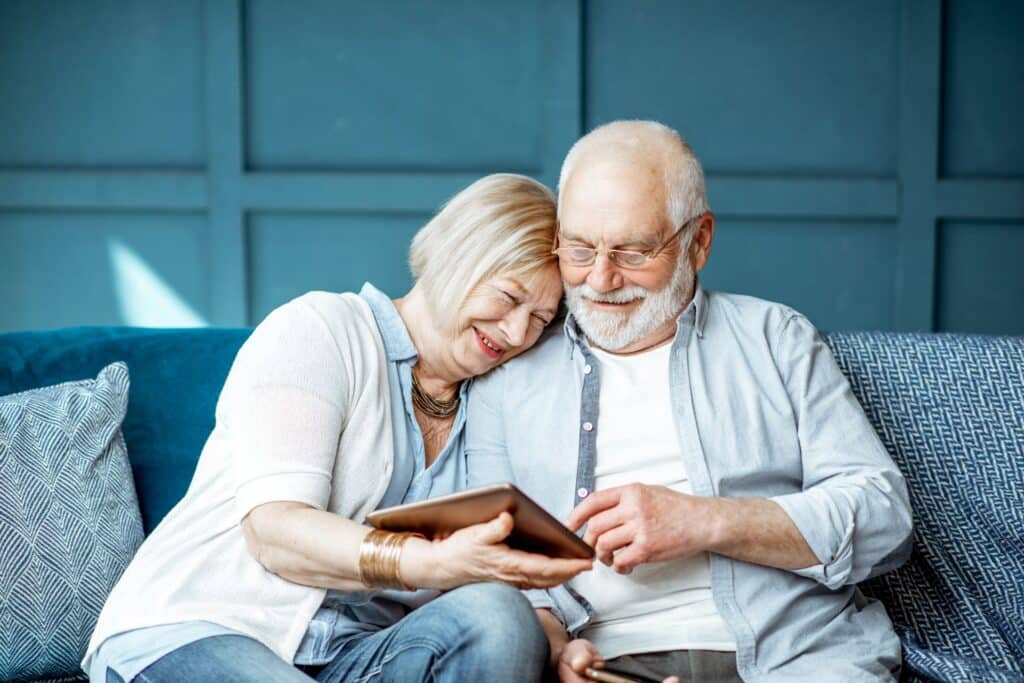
[[613, 331]]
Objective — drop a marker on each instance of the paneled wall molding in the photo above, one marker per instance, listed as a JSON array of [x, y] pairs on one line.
[[226, 246], [356, 191], [850, 157], [986, 199], [804, 197], [919, 111], [118, 190]]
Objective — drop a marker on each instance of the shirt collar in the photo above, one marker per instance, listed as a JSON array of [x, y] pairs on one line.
[[697, 308], [397, 343]]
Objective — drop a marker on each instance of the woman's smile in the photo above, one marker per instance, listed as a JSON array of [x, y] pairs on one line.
[[491, 348]]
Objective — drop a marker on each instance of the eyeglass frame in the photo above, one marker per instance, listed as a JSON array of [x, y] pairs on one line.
[[649, 254]]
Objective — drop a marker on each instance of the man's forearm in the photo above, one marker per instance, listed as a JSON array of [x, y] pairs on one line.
[[759, 531], [556, 633]]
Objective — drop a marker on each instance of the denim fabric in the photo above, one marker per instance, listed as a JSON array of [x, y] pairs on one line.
[[480, 632], [761, 410], [223, 658]]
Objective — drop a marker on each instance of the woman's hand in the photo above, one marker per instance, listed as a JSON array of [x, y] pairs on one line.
[[478, 553]]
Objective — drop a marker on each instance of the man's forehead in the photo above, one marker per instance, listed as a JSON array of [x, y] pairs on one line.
[[612, 187], [621, 219], [613, 235]]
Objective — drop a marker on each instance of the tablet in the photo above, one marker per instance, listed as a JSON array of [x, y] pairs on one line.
[[534, 531]]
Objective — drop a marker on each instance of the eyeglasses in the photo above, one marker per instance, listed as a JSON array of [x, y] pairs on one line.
[[623, 258]]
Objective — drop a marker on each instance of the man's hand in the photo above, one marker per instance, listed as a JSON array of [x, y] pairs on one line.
[[579, 655], [635, 524]]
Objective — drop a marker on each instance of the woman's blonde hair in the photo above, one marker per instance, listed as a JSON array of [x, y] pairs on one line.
[[503, 223]]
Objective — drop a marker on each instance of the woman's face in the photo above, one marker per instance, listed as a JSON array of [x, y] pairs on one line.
[[503, 317]]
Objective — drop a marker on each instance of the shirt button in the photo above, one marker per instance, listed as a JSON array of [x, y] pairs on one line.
[[587, 369], [588, 426], [582, 492]]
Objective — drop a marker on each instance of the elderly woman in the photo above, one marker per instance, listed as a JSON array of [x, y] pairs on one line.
[[339, 404]]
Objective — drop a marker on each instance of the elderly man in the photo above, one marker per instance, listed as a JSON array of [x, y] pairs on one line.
[[707, 442]]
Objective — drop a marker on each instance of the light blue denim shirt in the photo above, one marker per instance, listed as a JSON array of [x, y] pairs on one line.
[[344, 613], [761, 410], [348, 613]]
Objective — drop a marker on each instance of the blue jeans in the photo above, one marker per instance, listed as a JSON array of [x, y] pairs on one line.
[[480, 632]]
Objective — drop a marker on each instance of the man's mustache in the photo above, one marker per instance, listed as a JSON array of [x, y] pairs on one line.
[[619, 296]]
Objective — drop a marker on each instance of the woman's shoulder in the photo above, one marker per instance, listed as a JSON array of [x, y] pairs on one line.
[[341, 313], [340, 324]]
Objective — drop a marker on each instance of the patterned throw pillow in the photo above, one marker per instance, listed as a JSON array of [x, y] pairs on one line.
[[69, 519]]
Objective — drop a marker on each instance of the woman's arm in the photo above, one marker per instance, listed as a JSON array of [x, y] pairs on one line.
[[305, 545], [316, 548]]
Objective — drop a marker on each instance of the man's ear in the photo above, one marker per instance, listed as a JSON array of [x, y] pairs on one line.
[[700, 247]]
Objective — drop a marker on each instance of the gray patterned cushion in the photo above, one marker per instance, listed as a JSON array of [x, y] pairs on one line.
[[950, 410], [69, 519]]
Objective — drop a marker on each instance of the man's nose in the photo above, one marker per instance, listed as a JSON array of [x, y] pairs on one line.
[[603, 275]]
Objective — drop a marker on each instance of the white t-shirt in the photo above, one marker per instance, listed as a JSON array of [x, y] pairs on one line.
[[659, 606]]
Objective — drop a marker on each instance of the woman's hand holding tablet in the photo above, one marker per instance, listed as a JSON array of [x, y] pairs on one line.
[[534, 530]]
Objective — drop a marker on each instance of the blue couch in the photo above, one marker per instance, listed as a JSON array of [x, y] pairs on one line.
[[949, 408]]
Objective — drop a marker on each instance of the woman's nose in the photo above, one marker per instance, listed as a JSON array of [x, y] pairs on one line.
[[514, 326]]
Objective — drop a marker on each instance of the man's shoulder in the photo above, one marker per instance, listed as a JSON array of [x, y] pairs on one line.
[[748, 311], [550, 353], [552, 347]]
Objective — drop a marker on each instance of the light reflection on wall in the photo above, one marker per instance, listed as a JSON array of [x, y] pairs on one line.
[[143, 297]]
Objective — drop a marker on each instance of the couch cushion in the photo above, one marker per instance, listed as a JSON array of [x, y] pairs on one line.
[[950, 410], [176, 379], [69, 519]]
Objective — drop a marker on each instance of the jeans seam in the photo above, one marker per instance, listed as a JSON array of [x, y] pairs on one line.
[[388, 659]]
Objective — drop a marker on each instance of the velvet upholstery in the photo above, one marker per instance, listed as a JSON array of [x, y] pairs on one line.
[[176, 375]]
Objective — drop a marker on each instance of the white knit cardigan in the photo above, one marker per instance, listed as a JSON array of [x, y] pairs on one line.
[[304, 416]]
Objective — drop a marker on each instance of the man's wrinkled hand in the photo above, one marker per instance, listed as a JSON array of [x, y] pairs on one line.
[[635, 524], [577, 656]]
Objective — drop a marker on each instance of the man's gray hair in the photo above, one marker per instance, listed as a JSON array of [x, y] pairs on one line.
[[681, 171]]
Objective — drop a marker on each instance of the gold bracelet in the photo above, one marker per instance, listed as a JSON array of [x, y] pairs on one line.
[[379, 557]]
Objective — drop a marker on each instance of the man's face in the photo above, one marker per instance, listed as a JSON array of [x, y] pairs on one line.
[[615, 205]]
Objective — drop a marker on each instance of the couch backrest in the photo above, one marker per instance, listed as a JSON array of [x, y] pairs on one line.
[[176, 376], [950, 410]]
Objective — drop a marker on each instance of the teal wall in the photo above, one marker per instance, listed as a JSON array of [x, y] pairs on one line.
[[190, 163]]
